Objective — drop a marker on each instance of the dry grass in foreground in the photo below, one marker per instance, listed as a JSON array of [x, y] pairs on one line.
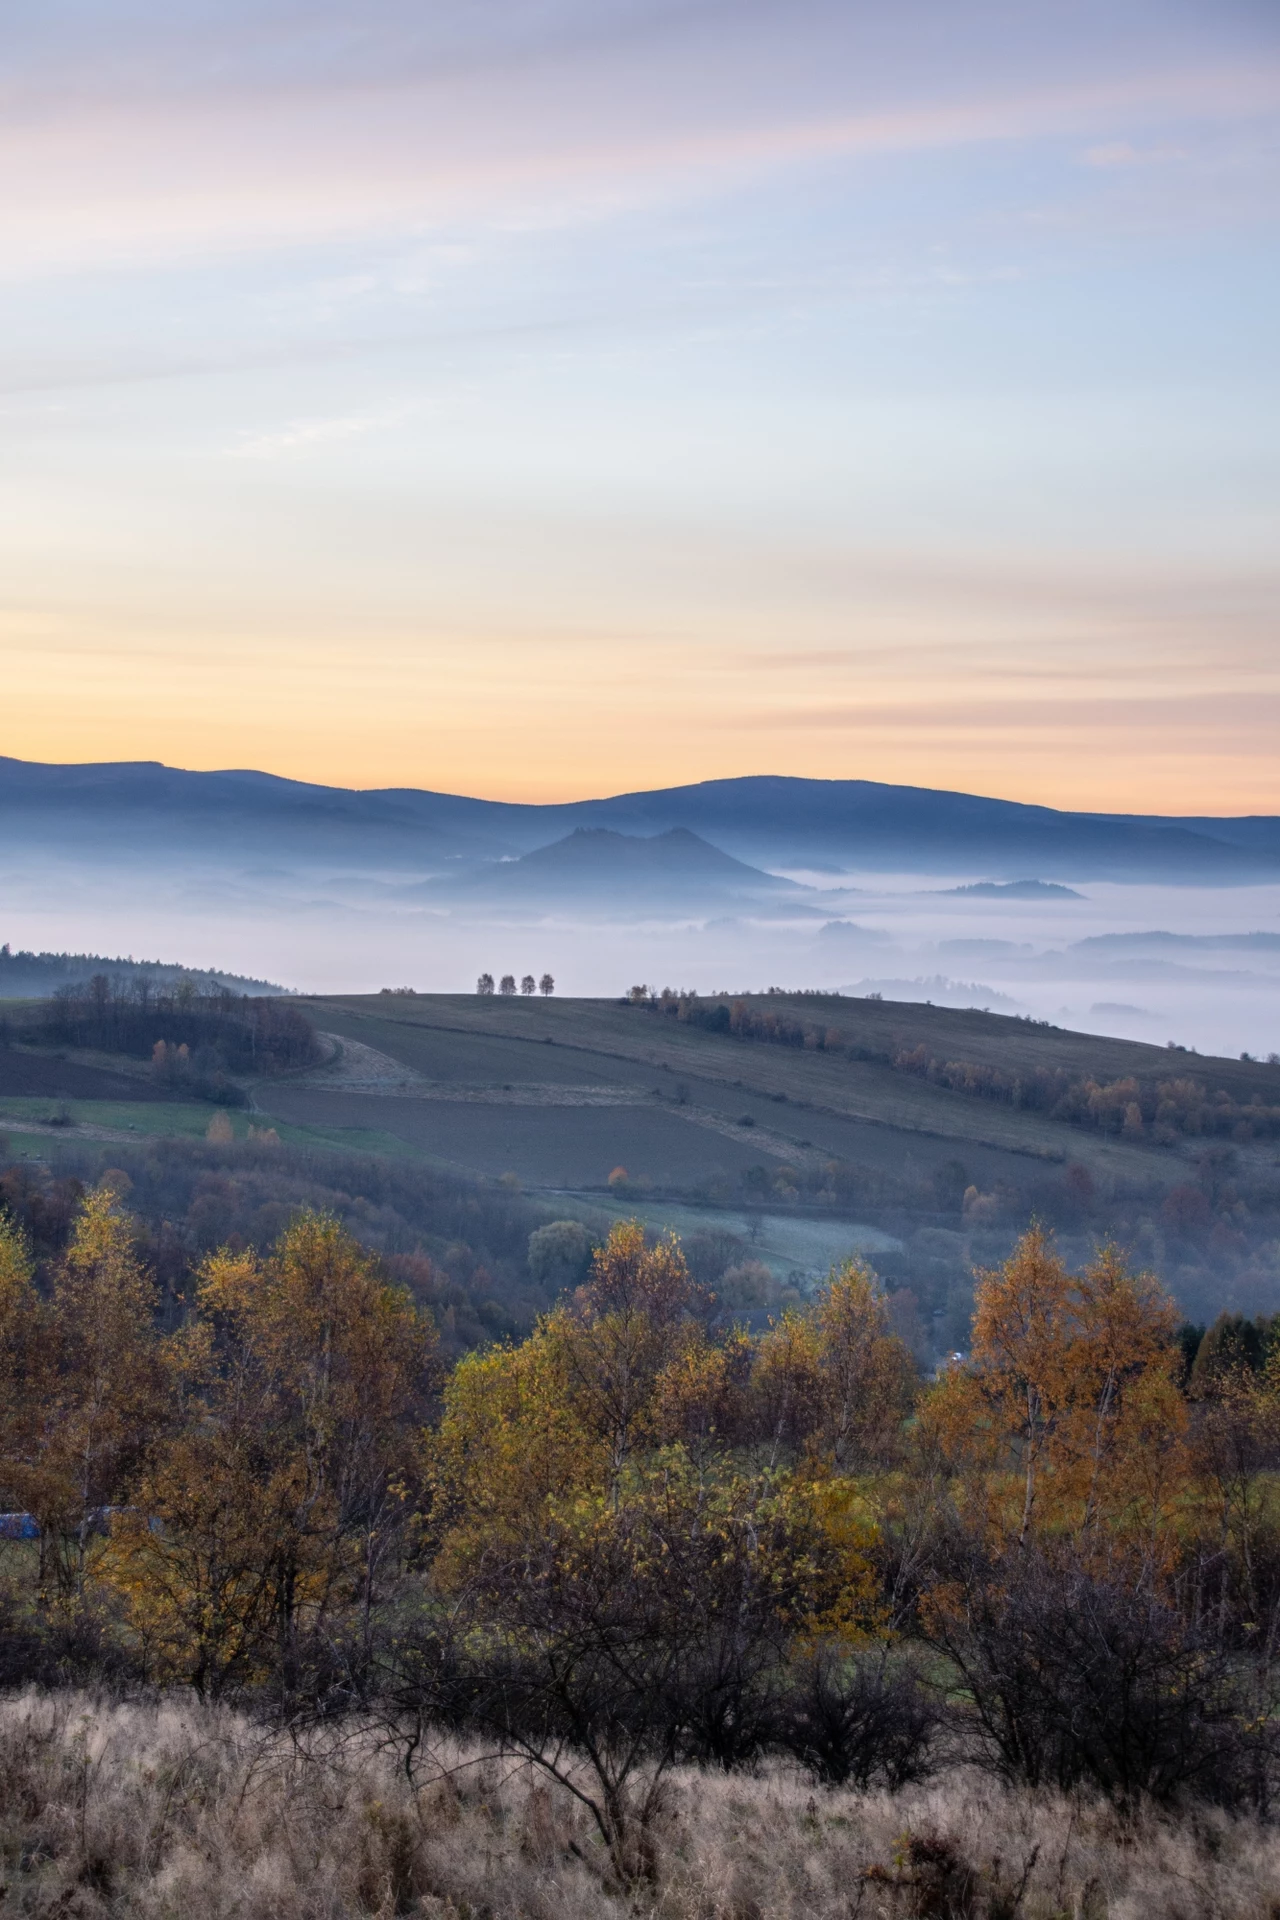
[[171, 1809]]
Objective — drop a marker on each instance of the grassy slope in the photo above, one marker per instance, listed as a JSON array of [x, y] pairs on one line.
[[495, 1041], [29, 1121], [800, 1102]]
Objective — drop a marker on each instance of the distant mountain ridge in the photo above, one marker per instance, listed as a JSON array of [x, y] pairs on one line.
[[142, 811]]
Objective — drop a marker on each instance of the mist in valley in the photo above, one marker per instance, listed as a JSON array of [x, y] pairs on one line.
[[1195, 965]]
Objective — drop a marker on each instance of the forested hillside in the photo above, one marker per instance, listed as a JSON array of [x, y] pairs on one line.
[[35, 976]]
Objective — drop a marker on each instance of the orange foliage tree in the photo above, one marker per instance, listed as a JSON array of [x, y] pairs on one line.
[[1068, 1420]]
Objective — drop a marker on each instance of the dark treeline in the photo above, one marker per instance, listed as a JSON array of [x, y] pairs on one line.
[[26, 975], [1161, 1108], [195, 1040], [643, 1534]]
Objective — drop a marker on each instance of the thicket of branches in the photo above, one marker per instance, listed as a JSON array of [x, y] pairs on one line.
[[194, 1039], [643, 1537]]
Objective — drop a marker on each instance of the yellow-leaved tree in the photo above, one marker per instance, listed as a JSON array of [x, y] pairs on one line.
[[834, 1384], [106, 1394], [24, 1364], [305, 1380], [615, 1555]]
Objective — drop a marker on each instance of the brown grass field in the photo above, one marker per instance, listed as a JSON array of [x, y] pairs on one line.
[[166, 1808]]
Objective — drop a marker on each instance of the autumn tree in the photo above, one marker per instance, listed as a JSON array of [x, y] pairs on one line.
[[24, 1370], [703, 1399], [308, 1378], [106, 1403], [645, 1622], [624, 1327], [832, 1380], [509, 1439], [1071, 1393], [567, 1408], [1235, 1450]]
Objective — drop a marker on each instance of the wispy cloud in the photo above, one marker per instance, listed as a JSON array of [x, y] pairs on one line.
[[240, 153], [301, 435], [1121, 153], [828, 387]]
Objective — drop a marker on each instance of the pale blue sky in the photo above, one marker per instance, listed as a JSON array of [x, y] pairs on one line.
[[540, 399]]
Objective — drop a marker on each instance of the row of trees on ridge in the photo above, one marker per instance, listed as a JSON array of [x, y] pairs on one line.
[[507, 984]]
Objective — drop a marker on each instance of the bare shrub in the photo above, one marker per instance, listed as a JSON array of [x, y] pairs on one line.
[[1076, 1677], [855, 1721]]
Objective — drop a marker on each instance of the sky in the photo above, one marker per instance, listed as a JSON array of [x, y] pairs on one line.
[[545, 398]]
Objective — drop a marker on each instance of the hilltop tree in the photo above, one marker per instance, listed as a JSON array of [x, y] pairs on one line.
[[528, 985], [507, 984], [546, 986], [485, 983]]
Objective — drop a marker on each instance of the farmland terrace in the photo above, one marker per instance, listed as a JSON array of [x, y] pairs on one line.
[[561, 1092], [781, 1130]]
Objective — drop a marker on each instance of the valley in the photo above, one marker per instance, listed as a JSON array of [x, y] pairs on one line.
[[788, 1155]]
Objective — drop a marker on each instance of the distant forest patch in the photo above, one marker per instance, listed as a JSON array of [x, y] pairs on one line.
[[193, 1040], [37, 976]]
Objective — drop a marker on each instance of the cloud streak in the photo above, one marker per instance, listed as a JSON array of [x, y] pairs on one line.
[[238, 161]]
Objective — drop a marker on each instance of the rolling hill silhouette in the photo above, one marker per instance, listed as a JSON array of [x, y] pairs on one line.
[[143, 811], [599, 865]]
